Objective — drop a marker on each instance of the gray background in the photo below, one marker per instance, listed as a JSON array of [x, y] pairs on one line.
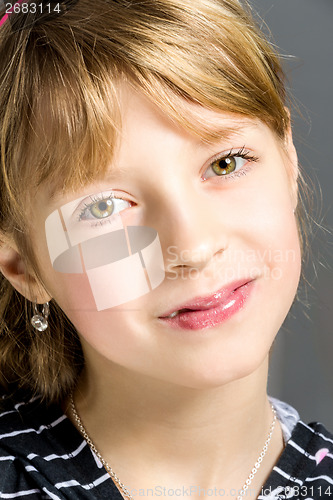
[[301, 370]]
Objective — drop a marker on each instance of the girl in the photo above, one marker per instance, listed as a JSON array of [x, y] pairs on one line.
[[150, 216]]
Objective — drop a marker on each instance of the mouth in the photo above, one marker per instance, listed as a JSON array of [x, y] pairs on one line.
[[208, 302], [226, 305], [208, 312]]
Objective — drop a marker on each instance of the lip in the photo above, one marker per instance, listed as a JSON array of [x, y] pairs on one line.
[[209, 301], [209, 311]]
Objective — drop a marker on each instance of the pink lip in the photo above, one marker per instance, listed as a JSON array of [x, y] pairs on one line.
[[207, 312], [210, 301]]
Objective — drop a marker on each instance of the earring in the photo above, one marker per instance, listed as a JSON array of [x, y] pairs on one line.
[[39, 321]]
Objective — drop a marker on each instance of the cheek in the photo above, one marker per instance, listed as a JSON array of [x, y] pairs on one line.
[[267, 212], [110, 332], [272, 233], [277, 228], [99, 329], [74, 293]]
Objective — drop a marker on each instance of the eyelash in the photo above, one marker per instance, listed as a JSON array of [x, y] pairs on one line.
[[242, 153]]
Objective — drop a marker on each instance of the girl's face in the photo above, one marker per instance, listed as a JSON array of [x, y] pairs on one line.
[[223, 213]]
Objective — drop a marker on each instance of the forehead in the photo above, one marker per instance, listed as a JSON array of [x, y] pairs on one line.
[[206, 124]]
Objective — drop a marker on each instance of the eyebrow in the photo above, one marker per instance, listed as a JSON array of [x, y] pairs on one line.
[[218, 133], [55, 192]]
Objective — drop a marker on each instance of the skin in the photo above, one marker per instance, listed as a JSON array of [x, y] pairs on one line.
[[168, 407]]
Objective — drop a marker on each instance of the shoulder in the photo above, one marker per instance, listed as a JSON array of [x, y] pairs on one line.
[[43, 456], [315, 443], [309, 447], [24, 428], [24, 421], [31, 424], [305, 467]]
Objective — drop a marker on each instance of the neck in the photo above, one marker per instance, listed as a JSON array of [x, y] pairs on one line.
[[204, 433]]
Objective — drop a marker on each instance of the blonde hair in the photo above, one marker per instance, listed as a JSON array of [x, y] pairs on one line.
[[60, 121]]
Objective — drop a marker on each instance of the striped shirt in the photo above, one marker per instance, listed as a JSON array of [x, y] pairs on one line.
[[43, 456]]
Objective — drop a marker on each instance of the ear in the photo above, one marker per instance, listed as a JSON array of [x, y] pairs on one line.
[[292, 168], [13, 268]]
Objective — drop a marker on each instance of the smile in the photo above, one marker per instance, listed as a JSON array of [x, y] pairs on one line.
[[212, 311]]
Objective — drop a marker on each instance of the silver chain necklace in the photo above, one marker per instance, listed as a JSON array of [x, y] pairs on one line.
[[121, 485]]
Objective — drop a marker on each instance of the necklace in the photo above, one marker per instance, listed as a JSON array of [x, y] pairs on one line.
[[125, 490]]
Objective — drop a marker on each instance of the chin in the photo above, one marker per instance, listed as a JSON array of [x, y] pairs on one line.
[[220, 374]]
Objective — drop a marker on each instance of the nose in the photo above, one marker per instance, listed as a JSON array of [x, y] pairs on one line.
[[188, 231]]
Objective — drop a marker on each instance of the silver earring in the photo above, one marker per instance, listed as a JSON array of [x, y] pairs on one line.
[[39, 321]]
